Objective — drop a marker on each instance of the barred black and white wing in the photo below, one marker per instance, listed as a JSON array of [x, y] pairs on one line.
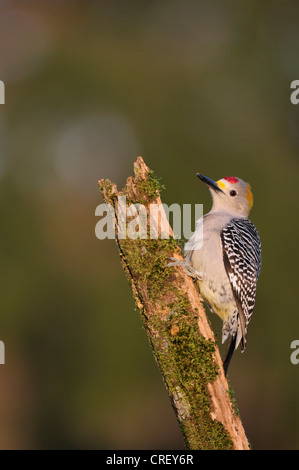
[[241, 247]]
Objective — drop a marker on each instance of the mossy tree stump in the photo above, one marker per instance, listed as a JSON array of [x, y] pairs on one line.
[[176, 324]]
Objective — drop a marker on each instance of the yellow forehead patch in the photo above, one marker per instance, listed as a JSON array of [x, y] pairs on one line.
[[221, 184], [249, 196]]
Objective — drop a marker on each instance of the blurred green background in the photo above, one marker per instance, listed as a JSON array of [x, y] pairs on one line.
[[192, 86]]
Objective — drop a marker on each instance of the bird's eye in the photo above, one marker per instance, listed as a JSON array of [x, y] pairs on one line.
[[233, 192]]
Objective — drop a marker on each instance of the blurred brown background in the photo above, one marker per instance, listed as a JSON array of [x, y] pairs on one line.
[[192, 86]]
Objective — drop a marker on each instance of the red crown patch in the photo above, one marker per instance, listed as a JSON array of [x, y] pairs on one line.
[[231, 179]]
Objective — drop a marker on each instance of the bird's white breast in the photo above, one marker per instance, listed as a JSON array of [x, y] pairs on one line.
[[204, 253]]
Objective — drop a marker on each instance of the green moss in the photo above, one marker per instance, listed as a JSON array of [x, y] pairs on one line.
[[146, 190], [233, 400], [149, 259], [106, 187], [151, 187], [189, 366]]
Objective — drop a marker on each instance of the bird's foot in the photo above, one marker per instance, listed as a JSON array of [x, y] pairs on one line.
[[187, 268]]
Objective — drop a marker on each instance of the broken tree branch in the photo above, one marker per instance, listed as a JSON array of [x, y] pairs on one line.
[[173, 316]]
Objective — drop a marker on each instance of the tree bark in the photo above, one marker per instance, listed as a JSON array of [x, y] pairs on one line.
[[174, 318]]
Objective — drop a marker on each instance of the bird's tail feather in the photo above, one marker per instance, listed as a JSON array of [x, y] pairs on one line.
[[229, 353]]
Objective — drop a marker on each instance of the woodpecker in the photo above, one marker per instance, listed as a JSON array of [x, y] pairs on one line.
[[226, 259]]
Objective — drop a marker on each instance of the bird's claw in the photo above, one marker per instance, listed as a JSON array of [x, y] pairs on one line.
[[187, 268]]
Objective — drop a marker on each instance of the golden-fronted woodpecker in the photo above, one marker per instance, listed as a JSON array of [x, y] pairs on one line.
[[226, 259]]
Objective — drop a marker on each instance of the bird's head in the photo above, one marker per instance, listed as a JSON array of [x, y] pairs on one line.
[[230, 194]]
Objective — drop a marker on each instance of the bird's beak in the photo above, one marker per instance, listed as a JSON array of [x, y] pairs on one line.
[[211, 183]]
